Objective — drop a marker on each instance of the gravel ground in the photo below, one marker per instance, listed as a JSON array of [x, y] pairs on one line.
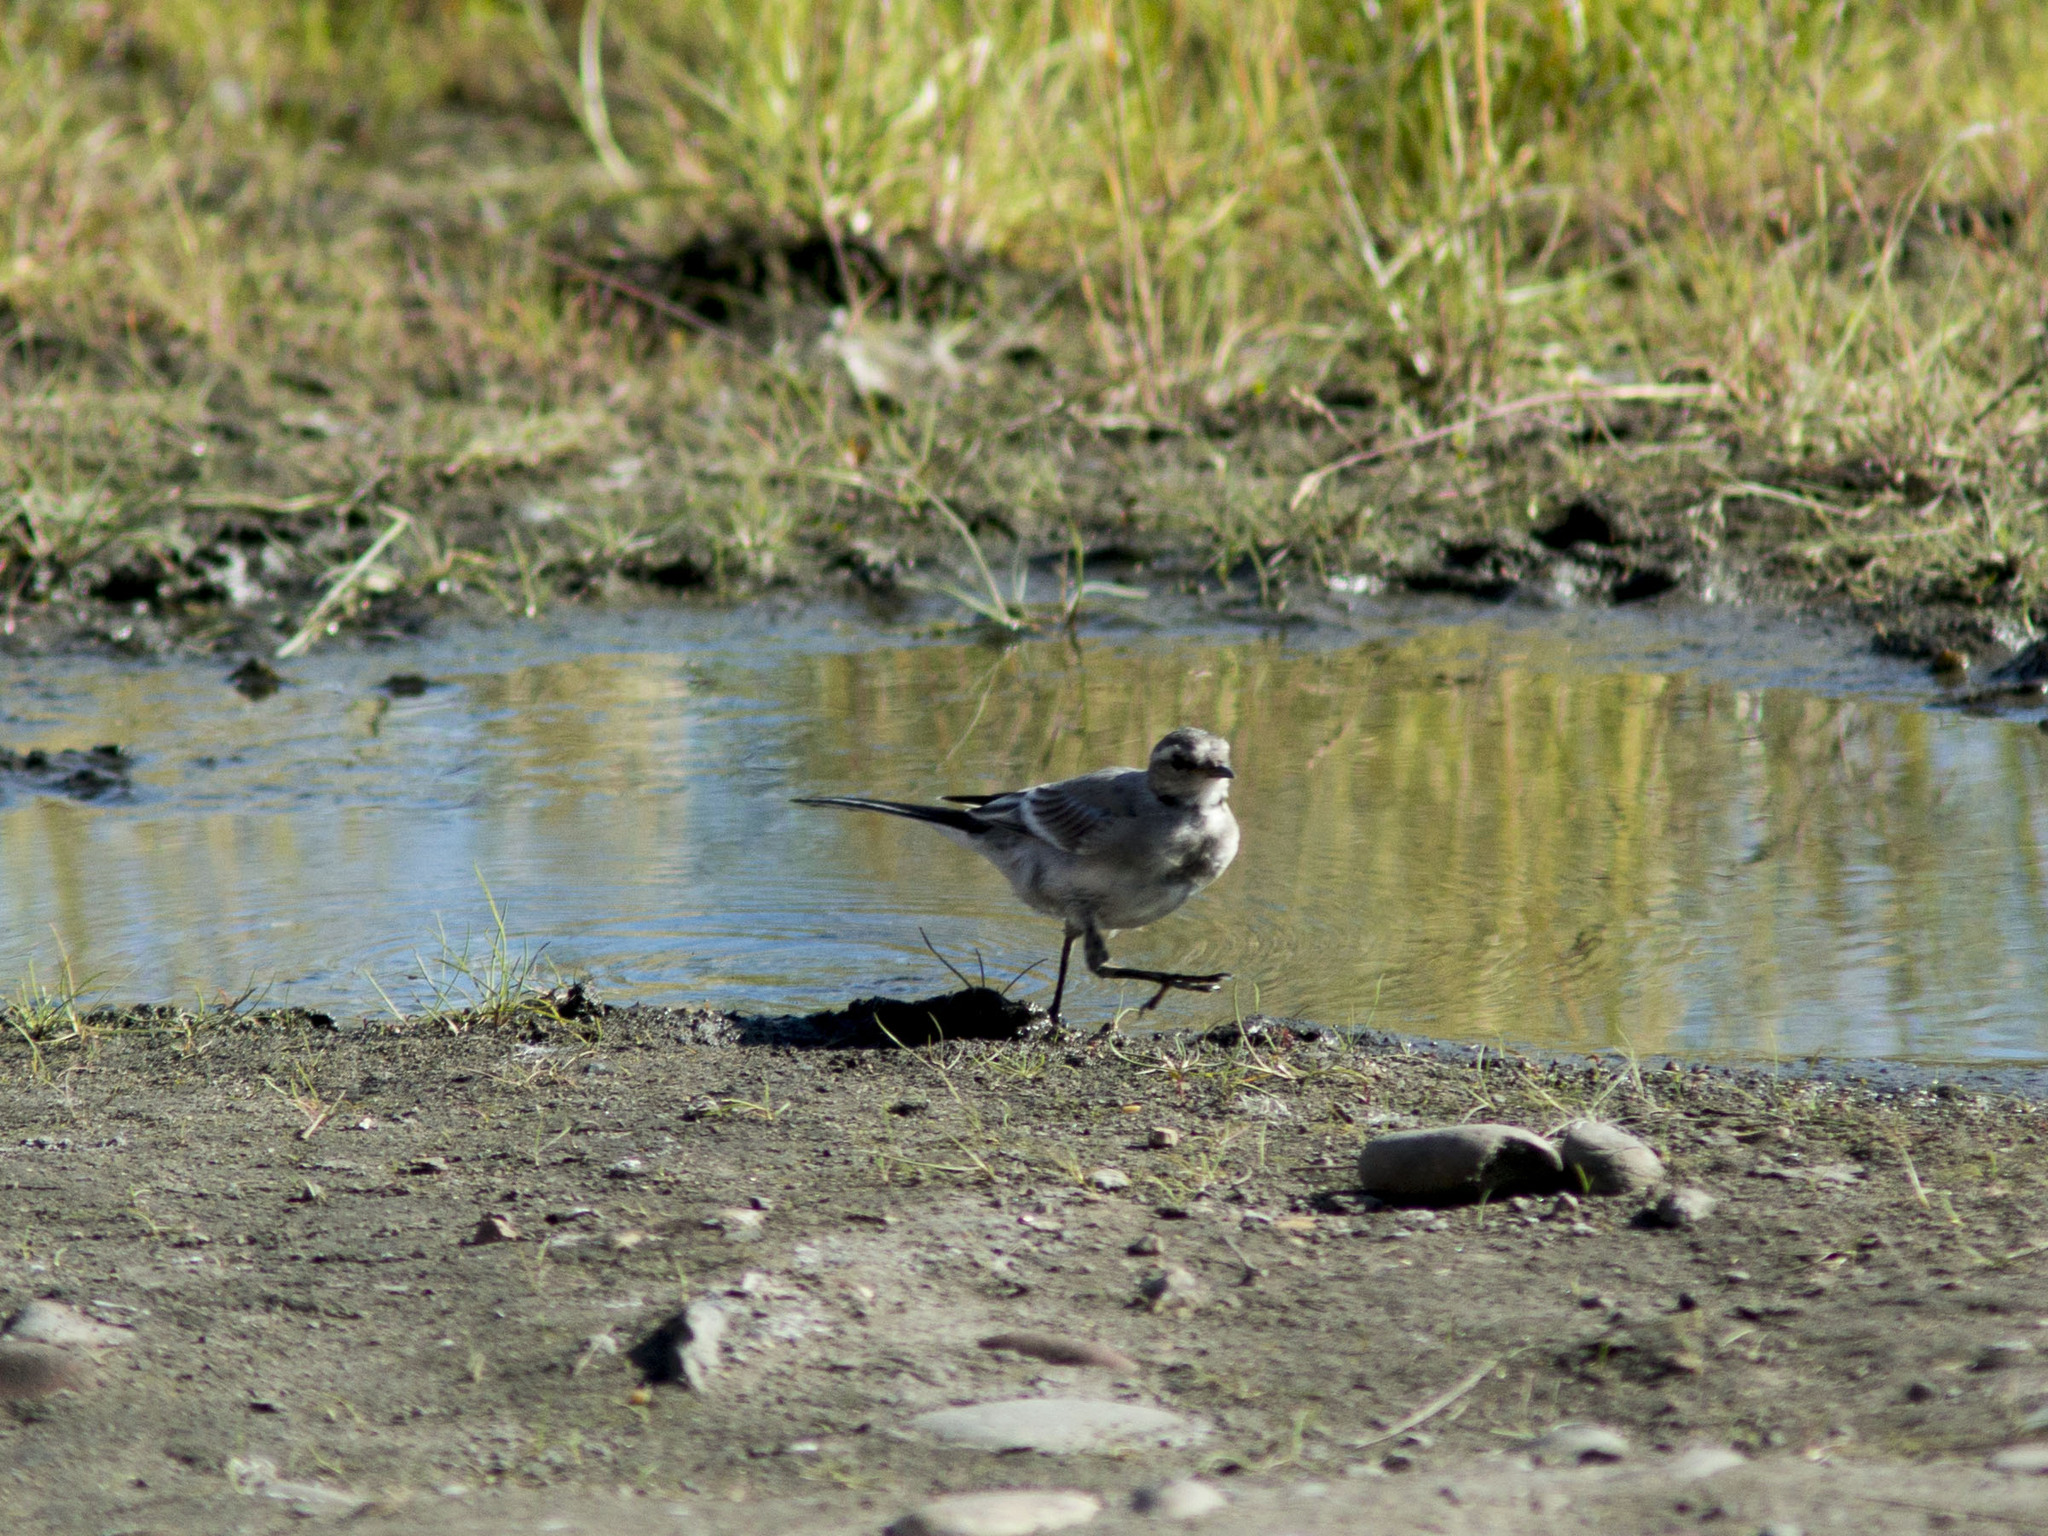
[[433, 1277]]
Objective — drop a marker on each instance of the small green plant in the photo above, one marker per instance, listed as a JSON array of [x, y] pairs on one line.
[[41, 1014]]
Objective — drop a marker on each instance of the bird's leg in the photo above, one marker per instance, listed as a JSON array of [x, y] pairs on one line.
[[1059, 989], [1168, 981]]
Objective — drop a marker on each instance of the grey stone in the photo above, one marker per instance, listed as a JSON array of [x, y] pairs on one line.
[[1185, 1498], [1058, 1426], [684, 1347], [1457, 1162], [1572, 1445], [2030, 1458], [1704, 1461], [51, 1322], [1175, 1289], [704, 1322], [497, 1227], [1682, 1207], [1110, 1178], [1607, 1160], [738, 1223], [1008, 1512], [29, 1372], [1057, 1349]]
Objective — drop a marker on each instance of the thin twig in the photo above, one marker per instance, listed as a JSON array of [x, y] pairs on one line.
[[1428, 1410], [949, 965], [1313, 480]]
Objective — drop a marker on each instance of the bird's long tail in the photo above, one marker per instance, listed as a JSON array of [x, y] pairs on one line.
[[938, 815]]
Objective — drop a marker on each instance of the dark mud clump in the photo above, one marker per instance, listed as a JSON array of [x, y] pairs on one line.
[[98, 774], [883, 1023]]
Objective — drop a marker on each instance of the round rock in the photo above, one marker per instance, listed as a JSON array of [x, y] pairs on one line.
[[1577, 1445], [1683, 1207], [1059, 1426], [1608, 1159], [1185, 1498], [1011, 1512], [1458, 1162], [30, 1372]]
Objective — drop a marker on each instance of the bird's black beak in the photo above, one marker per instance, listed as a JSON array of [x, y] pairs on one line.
[[1217, 771]]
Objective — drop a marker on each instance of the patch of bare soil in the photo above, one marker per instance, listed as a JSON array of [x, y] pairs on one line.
[[418, 1276]]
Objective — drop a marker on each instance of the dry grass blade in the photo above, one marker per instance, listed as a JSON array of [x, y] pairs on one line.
[[344, 583], [1313, 481]]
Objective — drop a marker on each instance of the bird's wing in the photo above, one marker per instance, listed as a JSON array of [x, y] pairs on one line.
[[1073, 815]]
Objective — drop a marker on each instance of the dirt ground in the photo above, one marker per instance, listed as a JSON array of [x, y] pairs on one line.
[[285, 1209]]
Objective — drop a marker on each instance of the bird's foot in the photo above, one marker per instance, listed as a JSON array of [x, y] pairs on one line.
[[1171, 982]]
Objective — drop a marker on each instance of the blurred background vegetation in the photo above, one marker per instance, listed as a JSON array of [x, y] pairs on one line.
[[691, 287]]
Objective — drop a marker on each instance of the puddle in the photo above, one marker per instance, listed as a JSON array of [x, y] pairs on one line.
[[1689, 832]]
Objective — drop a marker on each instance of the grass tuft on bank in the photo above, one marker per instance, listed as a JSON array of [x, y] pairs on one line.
[[312, 314]]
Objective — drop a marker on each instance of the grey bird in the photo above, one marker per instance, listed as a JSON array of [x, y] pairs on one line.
[[1116, 848]]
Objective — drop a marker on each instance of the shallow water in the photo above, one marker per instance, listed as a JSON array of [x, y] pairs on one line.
[[1688, 831]]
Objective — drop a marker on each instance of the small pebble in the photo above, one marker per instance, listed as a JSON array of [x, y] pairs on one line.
[[1682, 1207], [1010, 1512], [1608, 1160], [2030, 1459], [1110, 1178], [739, 1223], [1161, 1137], [1186, 1498], [1457, 1162], [1996, 1357], [1174, 1289], [30, 1372], [1147, 1245], [1704, 1461], [626, 1168], [1574, 1445], [684, 1348], [704, 1321], [1056, 1349], [497, 1227]]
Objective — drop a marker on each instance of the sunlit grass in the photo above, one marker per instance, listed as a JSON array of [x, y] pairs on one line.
[[294, 251]]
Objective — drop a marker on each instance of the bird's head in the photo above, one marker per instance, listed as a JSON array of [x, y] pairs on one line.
[[1190, 766]]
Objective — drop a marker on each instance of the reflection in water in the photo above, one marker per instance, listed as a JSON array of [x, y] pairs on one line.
[[1480, 831]]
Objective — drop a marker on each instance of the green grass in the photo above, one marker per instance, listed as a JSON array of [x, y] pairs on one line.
[[297, 306]]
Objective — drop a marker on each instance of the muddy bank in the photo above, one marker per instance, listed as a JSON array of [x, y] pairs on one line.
[[417, 1274], [276, 527]]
